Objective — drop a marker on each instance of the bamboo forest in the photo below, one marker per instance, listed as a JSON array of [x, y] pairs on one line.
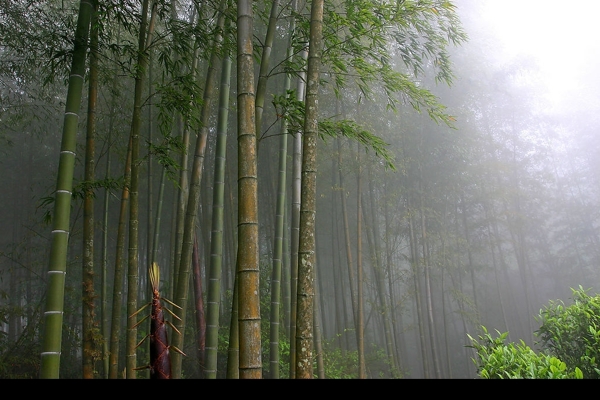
[[293, 189]]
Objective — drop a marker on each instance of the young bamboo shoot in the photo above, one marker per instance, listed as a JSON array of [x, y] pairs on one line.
[[160, 361]]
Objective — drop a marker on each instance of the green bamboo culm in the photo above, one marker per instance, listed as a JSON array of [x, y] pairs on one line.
[[53, 315], [216, 243]]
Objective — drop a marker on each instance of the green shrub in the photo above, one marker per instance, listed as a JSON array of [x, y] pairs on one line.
[[499, 360], [569, 337], [572, 333]]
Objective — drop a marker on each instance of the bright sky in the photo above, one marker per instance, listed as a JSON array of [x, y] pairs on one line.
[[564, 36]]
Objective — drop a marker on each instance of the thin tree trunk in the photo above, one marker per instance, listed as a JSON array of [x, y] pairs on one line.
[[417, 288], [278, 255], [495, 267], [104, 302], [428, 296], [317, 318], [115, 334], [295, 229], [347, 241], [265, 59], [193, 201], [278, 245], [233, 350], [285, 276], [216, 242], [362, 373], [335, 263], [469, 255], [158, 219], [375, 245], [145, 38], [150, 174], [183, 190], [88, 314], [396, 317], [199, 308]]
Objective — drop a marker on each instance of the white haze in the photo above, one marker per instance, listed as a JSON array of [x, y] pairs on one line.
[[561, 36]]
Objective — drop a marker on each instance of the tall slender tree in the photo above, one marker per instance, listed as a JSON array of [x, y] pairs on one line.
[[278, 245], [118, 280], [146, 31], [193, 200], [88, 319], [295, 220], [53, 315], [247, 256], [360, 324], [306, 246], [216, 239]]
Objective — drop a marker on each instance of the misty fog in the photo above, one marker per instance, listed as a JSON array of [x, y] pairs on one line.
[[435, 217]]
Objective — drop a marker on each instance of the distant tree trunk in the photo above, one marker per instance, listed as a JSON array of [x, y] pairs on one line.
[[233, 350], [503, 269], [150, 175], [286, 276], [157, 222], [265, 59], [317, 318], [278, 245], [104, 267], [466, 231], [199, 308], [53, 316], [216, 242], [348, 244], [397, 324], [495, 266], [374, 241], [115, 333], [88, 314], [428, 295], [183, 190], [278, 254], [444, 267], [414, 261], [193, 200], [362, 373], [458, 286], [335, 263]]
